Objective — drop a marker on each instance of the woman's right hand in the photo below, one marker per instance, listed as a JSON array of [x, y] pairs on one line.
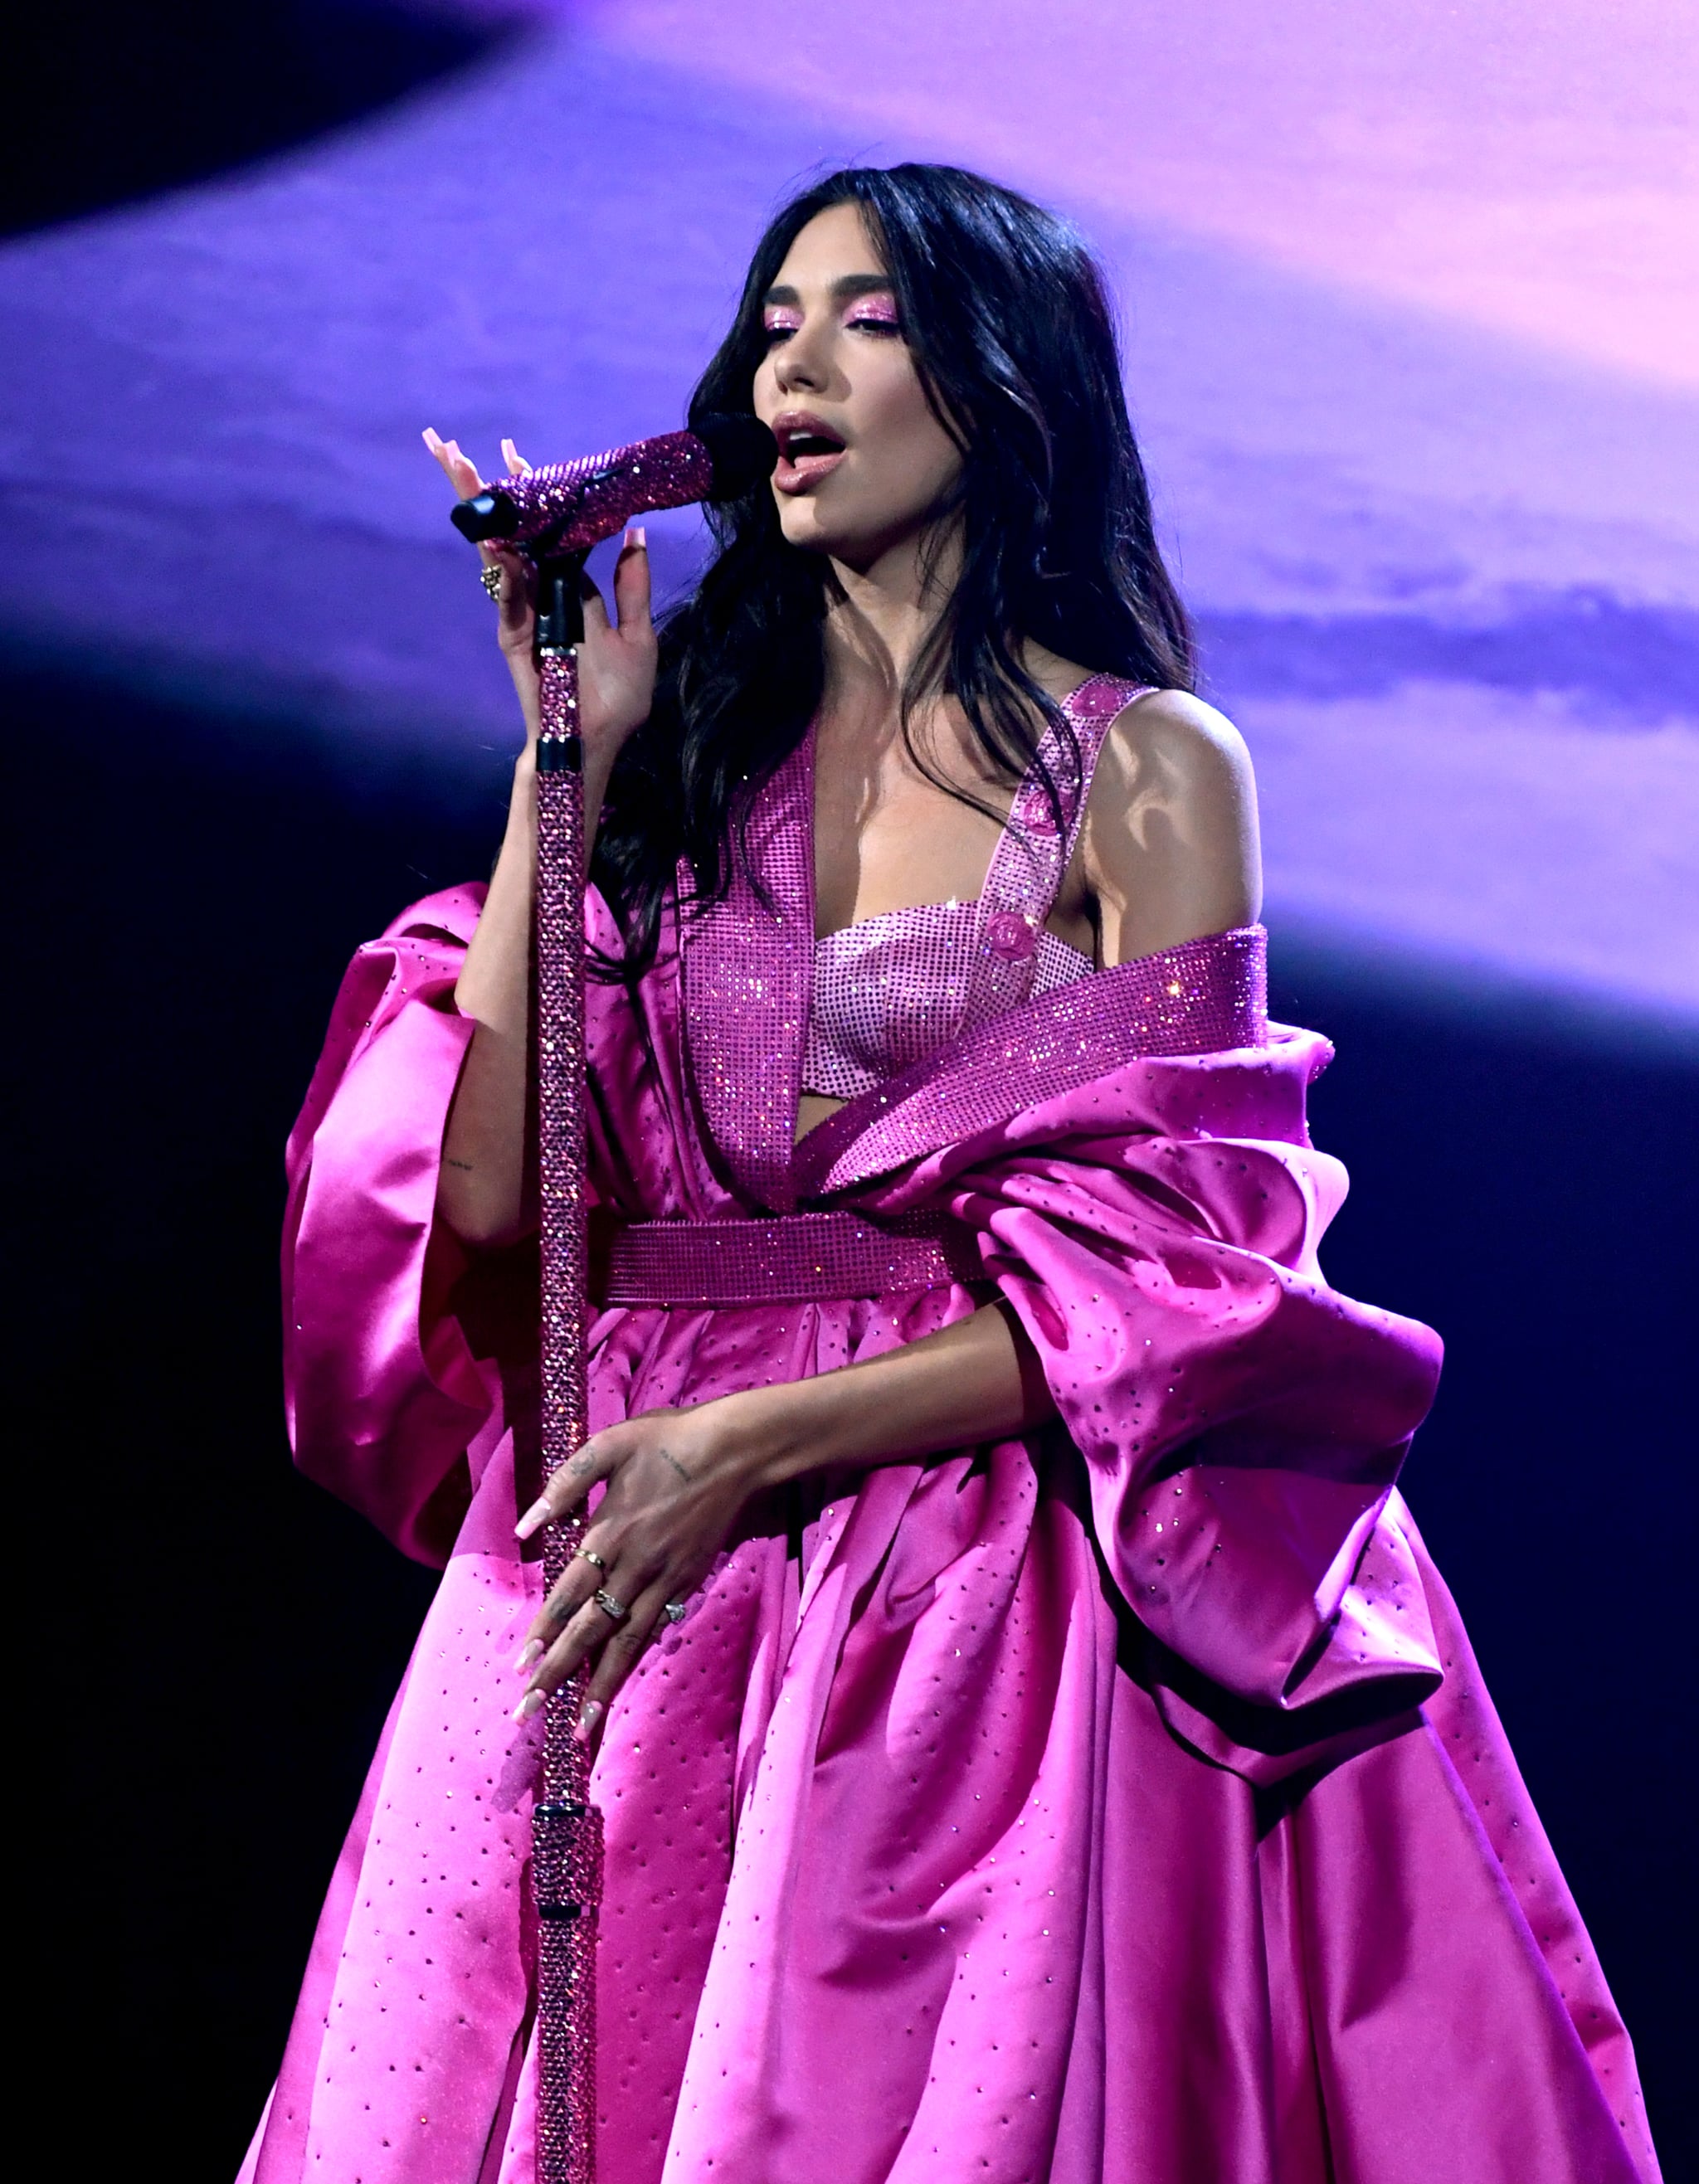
[[616, 660]]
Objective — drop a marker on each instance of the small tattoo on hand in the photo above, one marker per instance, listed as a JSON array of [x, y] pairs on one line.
[[667, 1457], [465, 1166]]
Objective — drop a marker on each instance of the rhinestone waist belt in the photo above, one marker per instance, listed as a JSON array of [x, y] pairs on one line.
[[799, 1258]]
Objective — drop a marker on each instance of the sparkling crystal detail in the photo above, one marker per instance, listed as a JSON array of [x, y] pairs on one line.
[[891, 990], [800, 1258], [679, 468], [566, 1829]]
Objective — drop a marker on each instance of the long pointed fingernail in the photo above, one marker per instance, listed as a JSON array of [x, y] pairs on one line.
[[529, 1653], [591, 1715], [533, 1703], [535, 1516]]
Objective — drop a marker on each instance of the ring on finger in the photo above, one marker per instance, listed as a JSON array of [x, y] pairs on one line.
[[490, 577], [674, 1611], [589, 1555], [615, 1610]]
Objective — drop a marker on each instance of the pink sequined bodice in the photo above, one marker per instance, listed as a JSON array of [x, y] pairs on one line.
[[890, 990]]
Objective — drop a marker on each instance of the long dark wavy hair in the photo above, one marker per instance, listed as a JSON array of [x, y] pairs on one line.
[[1006, 315]]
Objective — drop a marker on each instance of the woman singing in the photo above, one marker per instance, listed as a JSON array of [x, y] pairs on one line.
[[1034, 1742]]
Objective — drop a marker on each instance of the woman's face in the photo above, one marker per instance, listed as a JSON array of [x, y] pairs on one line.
[[863, 466]]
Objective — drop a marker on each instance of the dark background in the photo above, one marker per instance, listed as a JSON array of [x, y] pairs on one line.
[[113, 103], [189, 883]]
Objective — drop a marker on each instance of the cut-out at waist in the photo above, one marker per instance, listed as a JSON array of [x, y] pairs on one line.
[[814, 1108]]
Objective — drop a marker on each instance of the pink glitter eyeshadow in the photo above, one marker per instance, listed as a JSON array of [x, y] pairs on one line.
[[881, 306]]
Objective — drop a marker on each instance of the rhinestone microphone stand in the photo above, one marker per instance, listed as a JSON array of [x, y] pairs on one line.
[[566, 1839], [554, 516]]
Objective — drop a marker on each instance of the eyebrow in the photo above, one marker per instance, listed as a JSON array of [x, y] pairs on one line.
[[850, 284]]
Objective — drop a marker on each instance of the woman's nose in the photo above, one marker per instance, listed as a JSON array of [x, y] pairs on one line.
[[799, 366]]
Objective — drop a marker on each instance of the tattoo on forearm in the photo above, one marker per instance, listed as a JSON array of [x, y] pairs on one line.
[[449, 1162], [667, 1457]]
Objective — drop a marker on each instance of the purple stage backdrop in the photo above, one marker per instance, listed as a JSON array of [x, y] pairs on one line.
[[1413, 341]]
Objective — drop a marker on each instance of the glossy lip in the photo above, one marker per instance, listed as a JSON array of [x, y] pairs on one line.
[[797, 475]]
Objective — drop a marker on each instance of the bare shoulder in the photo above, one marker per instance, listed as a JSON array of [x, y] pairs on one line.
[[1170, 743], [1170, 848]]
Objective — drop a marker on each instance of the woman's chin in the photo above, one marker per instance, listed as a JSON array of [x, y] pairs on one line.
[[857, 546], [801, 522]]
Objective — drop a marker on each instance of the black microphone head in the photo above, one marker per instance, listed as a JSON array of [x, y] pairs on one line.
[[742, 449], [487, 514]]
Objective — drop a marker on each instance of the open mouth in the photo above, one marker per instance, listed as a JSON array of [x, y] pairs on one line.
[[799, 445], [808, 449]]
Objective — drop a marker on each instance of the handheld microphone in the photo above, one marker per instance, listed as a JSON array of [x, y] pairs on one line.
[[567, 508]]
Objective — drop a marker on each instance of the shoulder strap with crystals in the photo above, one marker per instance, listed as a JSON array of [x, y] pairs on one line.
[[1032, 854]]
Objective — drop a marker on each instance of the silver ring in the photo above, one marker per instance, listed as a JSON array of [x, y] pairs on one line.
[[611, 1606], [490, 577], [674, 1611], [589, 1555]]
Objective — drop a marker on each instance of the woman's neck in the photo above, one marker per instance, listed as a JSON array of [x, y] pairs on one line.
[[882, 615]]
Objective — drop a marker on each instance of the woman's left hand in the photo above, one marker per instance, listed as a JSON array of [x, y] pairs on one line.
[[676, 1481]]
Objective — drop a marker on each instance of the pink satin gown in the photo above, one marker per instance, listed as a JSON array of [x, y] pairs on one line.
[[1117, 1805]]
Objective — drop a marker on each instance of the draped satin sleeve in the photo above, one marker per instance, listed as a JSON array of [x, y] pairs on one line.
[[1156, 1225], [1243, 1424], [382, 1393]]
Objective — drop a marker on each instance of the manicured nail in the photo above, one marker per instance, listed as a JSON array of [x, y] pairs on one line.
[[531, 1651], [641, 536], [534, 1518], [533, 1703], [591, 1715]]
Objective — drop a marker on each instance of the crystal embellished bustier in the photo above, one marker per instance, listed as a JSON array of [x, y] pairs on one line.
[[888, 991]]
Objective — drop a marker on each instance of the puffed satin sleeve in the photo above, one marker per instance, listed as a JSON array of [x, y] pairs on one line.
[[382, 1392], [1243, 1424], [394, 1336]]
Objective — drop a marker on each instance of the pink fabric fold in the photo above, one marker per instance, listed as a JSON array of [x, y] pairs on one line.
[[382, 1391], [1157, 1227]]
